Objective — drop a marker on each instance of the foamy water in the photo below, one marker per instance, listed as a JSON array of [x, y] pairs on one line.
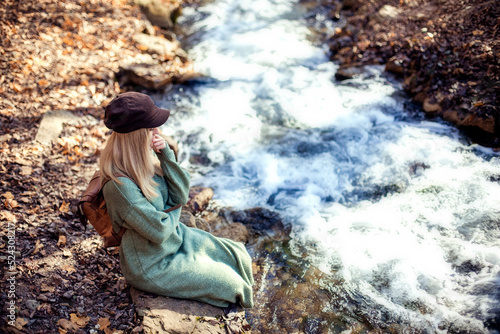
[[401, 211]]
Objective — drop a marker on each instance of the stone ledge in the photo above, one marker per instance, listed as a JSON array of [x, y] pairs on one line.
[[177, 316]]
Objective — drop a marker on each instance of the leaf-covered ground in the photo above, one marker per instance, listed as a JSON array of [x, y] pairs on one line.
[[58, 55]]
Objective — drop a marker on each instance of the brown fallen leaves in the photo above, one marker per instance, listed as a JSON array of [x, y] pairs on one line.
[[447, 52]]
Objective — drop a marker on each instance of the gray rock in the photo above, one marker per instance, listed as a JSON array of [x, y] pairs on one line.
[[144, 71], [235, 231], [159, 13], [199, 197], [169, 315], [345, 73], [187, 218], [386, 13], [51, 125], [158, 45], [394, 65]]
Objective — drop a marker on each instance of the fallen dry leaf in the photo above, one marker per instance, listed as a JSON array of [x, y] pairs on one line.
[[38, 246], [8, 195], [68, 268], [61, 241], [79, 321], [64, 207], [67, 325], [43, 83], [45, 288], [8, 216], [20, 322], [103, 323], [10, 204], [22, 161], [26, 170]]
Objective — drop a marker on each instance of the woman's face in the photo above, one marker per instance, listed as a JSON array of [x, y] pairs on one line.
[[152, 133]]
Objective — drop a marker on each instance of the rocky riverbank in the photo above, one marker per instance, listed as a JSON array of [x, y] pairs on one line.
[[446, 53]]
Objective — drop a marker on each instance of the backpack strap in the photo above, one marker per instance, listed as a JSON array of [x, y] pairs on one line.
[[172, 208]]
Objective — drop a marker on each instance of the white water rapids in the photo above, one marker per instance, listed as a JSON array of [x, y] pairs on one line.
[[401, 210]]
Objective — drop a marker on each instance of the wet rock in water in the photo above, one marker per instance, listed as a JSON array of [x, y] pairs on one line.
[[395, 66], [485, 123], [258, 219], [430, 107], [417, 168], [344, 73], [187, 218], [263, 225], [292, 300], [235, 231], [339, 43], [199, 197], [169, 315]]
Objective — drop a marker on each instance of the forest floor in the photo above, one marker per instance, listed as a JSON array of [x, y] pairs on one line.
[[64, 55]]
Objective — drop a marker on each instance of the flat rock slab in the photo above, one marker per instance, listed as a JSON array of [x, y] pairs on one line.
[[177, 316], [51, 125]]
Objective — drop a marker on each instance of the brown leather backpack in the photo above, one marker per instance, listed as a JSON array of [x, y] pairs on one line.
[[92, 208]]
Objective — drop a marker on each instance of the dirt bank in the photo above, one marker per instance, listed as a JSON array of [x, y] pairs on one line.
[[446, 51]]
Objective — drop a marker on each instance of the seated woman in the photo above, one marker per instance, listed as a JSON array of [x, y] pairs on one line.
[[159, 254]]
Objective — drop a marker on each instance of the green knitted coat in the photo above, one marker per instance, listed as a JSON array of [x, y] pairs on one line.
[[159, 254]]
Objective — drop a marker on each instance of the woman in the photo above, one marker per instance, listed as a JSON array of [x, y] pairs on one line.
[[159, 254]]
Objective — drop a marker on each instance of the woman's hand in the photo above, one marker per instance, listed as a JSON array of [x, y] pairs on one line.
[[158, 142]]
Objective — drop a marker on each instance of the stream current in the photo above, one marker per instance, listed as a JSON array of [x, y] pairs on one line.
[[397, 218]]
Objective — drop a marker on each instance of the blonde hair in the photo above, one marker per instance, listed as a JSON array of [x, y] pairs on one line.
[[130, 154]]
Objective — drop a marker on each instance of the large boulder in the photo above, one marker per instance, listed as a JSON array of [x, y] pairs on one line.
[[159, 45], [485, 123], [235, 231], [199, 198], [52, 125], [143, 70], [262, 224], [169, 315], [160, 13]]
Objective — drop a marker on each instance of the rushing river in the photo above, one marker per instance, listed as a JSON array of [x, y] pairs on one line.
[[395, 220]]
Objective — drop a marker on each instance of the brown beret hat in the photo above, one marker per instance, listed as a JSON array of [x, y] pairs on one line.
[[132, 111]]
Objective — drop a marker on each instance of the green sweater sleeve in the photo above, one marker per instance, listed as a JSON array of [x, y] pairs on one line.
[[128, 205], [177, 178]]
